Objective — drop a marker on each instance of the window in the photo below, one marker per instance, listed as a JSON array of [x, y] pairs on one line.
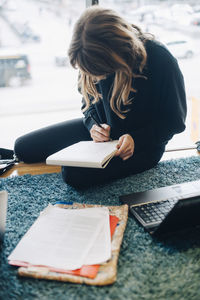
[[37, 85]]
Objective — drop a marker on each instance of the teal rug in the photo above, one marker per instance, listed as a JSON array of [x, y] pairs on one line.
[[147, 269]]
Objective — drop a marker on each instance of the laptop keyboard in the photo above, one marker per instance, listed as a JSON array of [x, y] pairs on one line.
[[153, 212]]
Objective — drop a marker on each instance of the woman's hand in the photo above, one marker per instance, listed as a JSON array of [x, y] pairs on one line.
[[125, 146], [100, 134]]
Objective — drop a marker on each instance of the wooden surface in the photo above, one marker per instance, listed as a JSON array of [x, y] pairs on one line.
[[41, 168], [179, 154], [33, 169]]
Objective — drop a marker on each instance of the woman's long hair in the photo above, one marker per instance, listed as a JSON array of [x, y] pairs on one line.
[[103, 43]]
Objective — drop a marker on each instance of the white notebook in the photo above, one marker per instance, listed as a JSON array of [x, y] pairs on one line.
[[85, 154]]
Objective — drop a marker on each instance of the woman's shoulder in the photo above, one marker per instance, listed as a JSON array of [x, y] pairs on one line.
[[158, 54], [153, 45]]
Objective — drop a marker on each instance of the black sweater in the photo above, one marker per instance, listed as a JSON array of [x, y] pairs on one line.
[[158, 109]]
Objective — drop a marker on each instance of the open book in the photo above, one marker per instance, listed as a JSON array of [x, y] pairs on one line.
[[85, 154]]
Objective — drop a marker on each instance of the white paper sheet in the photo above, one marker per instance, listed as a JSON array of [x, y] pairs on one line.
[[66, 238], [101, 249]]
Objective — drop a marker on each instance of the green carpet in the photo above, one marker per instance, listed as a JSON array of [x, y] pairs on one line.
[[147, 269]]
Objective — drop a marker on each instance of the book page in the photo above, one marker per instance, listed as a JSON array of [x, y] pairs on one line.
[[62, 238]]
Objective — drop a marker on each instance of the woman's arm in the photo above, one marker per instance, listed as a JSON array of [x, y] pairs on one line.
[[170, 108]]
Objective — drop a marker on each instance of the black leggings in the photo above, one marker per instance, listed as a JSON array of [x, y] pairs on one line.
[[38, 145]]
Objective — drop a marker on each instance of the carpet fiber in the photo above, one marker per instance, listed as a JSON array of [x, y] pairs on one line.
[[147, 269]]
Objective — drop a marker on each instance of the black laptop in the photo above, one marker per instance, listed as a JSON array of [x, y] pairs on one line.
[[168, 209], [3, 212]]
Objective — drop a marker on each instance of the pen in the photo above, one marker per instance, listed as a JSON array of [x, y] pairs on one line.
[[95, 120]]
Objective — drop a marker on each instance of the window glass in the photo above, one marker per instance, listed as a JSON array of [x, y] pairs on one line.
[[37, 84], [177, 25]]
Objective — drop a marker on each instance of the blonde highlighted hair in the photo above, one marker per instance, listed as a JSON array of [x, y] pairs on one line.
[[103, 43]]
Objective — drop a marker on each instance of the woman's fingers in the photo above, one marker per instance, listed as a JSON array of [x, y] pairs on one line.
[[126, 155], [100, 134], [125, 147]]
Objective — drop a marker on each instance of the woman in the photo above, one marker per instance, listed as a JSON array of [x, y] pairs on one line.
[[131, 84]]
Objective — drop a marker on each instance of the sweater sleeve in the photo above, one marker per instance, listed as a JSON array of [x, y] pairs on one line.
[[170, 113], [97, 112]]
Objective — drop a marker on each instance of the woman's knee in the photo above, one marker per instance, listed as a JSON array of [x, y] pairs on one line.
[[26, 151], [19, 148]]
